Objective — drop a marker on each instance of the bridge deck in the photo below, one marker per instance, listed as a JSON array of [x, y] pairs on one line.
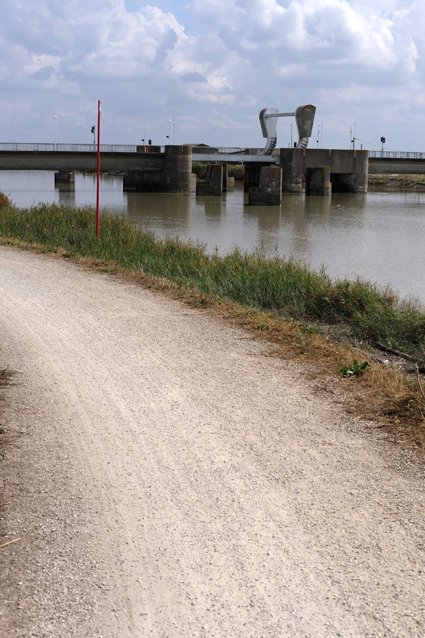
[[82, 157]]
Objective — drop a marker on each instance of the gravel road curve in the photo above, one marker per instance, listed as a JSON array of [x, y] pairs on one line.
[[171, 479]]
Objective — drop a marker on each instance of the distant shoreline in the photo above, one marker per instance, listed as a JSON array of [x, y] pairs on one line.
[[397, 182]]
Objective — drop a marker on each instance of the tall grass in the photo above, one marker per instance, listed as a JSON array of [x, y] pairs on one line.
[[285, 287]]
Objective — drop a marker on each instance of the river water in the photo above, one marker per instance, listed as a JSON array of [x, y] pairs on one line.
[[379, 236]]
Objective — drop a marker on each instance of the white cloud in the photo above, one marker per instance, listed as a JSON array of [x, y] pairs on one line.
[[208, 61]]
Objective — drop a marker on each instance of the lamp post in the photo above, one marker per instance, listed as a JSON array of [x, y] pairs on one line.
[[352, 139], [172, 122], [55, 117]]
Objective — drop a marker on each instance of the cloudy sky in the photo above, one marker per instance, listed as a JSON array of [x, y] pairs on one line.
[[203, 69]]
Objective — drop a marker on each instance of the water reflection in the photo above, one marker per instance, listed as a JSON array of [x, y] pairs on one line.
[[210, 207], [267, 221], [164, 214], [378, 236], [65, 194]]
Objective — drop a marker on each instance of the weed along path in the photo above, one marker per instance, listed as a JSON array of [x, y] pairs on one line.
[[169, 478]]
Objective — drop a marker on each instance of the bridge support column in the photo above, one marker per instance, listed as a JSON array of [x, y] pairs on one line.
[[65, 177], [252, 176], [177, 172], [292, 162], [269, 191], [318, 181], [212, 183], [225, 176]]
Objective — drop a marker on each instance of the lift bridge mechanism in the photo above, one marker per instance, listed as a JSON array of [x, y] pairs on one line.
[[304, 117]]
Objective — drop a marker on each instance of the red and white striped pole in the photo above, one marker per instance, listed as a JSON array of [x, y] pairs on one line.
[[99, 110]]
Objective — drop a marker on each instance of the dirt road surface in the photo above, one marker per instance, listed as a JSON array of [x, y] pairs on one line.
[[171, 479]]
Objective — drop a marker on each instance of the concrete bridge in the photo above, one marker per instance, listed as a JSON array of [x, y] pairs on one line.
[[169, 168], [389, 162]]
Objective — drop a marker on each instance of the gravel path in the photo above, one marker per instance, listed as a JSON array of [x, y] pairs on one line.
[[170, 479]]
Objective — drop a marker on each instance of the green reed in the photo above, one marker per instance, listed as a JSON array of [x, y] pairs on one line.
[[360, 309]]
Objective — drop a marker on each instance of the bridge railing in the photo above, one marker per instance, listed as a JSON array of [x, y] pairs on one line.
[[70, 148], [397, 155], [132, 148], [51, 147]]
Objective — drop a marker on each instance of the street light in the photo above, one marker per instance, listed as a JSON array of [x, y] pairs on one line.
[[55, 117], [172, 122], [352, 138]]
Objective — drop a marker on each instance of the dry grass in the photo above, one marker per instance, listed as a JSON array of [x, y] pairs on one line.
[[397, 182], [4, 201]]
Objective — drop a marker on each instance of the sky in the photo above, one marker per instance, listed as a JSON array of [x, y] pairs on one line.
[[200, 71]]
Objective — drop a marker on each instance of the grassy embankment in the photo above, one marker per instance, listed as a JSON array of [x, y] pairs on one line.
[[281, 301]]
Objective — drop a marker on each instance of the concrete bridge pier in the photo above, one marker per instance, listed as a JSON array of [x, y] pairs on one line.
[[65, 177], [318, 181], [168, 172], [177, 171], [269, 190], [252, 176], [292, 164], [213, 182]]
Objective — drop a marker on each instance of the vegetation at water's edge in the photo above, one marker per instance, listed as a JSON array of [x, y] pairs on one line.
[[285, 287], [4, 201]]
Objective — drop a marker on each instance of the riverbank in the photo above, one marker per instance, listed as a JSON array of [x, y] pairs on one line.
[[397, 182], [305, 314]]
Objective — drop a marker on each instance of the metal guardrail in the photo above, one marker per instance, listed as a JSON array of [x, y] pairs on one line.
[[132, 148], [67, 148], [41, 147], [396, 155]]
